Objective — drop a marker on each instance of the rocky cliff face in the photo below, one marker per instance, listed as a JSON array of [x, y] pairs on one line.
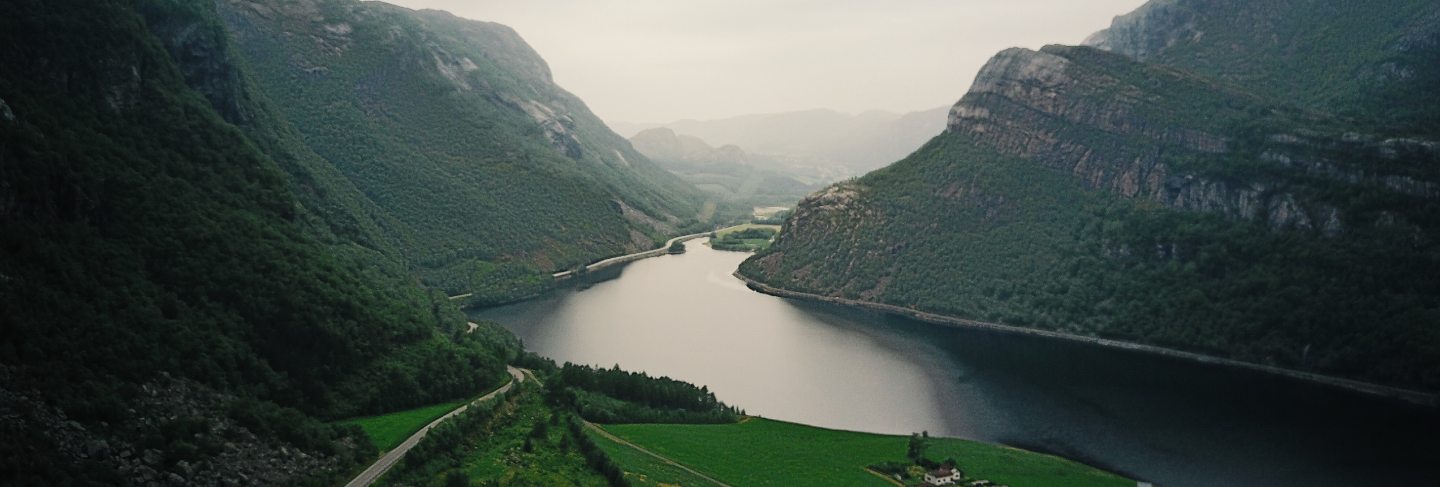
[[1124, 127], [1242, 192], [1147, 30], [1340, 57]]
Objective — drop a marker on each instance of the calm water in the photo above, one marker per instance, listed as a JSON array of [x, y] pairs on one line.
[[1157, 419]]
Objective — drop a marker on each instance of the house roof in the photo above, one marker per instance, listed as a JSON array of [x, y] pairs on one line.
[[943, 472]]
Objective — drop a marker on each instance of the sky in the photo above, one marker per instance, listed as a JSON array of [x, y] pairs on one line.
[[666, 60]]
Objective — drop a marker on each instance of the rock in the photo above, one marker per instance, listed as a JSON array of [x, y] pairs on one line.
[[97, 449], [5, 112], [1027, 104], [1146, 31]]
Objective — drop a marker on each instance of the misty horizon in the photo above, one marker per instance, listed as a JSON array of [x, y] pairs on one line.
[[655, 62]]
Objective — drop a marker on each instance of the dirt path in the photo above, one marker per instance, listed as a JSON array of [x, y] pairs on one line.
[[388, 460], [596, 428]]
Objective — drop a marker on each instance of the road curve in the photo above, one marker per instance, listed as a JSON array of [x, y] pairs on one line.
[[601, 431], [375, 470], [620, 259]]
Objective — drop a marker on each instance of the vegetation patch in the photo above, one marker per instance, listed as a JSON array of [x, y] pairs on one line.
[[749, 237], [766, 452], [617, 396], [388, 430], [515, 440]]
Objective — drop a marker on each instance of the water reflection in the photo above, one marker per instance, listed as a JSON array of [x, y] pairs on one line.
[[1169, 421]]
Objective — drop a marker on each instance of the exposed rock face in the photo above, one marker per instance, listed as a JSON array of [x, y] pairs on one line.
[[1326, 55], [831, 213], [199, 51], [1149, 29], [1245, 115], [1126, 132]]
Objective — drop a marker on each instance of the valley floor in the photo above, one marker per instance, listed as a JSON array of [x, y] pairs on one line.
[[759, 451]]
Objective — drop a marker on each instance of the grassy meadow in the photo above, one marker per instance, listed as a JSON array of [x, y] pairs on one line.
[[766, 452], [388, 430]]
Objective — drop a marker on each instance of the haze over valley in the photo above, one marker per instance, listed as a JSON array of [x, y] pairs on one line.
[[605, 243]]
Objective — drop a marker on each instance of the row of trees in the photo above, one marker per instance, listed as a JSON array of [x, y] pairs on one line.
[[637, 397]]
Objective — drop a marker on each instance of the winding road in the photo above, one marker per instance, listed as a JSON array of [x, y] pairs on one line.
[[375, 470], [632, 257], [619, 259]]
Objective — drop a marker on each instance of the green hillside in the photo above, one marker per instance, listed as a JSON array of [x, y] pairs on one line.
[[484, 173], [1082, 192], [1347, 57], [187, 281]]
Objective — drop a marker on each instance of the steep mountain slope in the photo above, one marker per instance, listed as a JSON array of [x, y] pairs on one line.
[[186, 289], [831, 144], [490, 175], [1343, 57], [1079, 191], [726, 172]]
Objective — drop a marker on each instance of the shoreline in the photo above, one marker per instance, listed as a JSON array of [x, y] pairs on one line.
[[1409, 396], [627, 258], [595, 266]]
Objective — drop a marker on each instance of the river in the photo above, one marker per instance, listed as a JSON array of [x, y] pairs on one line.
[[1158, 419]]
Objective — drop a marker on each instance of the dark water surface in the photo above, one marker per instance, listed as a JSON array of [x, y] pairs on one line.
[[1158, 419]]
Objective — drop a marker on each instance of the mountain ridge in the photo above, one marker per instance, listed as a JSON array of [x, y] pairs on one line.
[[194, 282], [454, 130], [1084, 192], [832, 143]]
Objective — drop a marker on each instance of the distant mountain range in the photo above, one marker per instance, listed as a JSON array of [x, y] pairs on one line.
[[826, 142], [1256, 180], [728, 172]]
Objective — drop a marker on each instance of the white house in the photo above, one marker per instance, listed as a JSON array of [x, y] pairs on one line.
[[942, 476]]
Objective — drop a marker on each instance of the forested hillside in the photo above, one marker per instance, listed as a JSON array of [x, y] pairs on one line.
[[195, 278], [1349, 58], [1084, 192], [484, 174]]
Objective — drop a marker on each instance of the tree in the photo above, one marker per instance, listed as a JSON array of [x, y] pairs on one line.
[[915, 451], [457, 479]]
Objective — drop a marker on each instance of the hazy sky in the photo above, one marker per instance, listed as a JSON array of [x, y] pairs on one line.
[[663, 60]]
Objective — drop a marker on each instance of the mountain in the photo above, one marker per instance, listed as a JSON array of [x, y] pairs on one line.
[[1342, 57], [218, 241], [1142, 197], [726, 172], [488, 175], [831, 144]]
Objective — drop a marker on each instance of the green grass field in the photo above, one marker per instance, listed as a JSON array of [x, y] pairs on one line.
[[641, 469], [747, 244], [766, 452], [388, 430], [721, 233]]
